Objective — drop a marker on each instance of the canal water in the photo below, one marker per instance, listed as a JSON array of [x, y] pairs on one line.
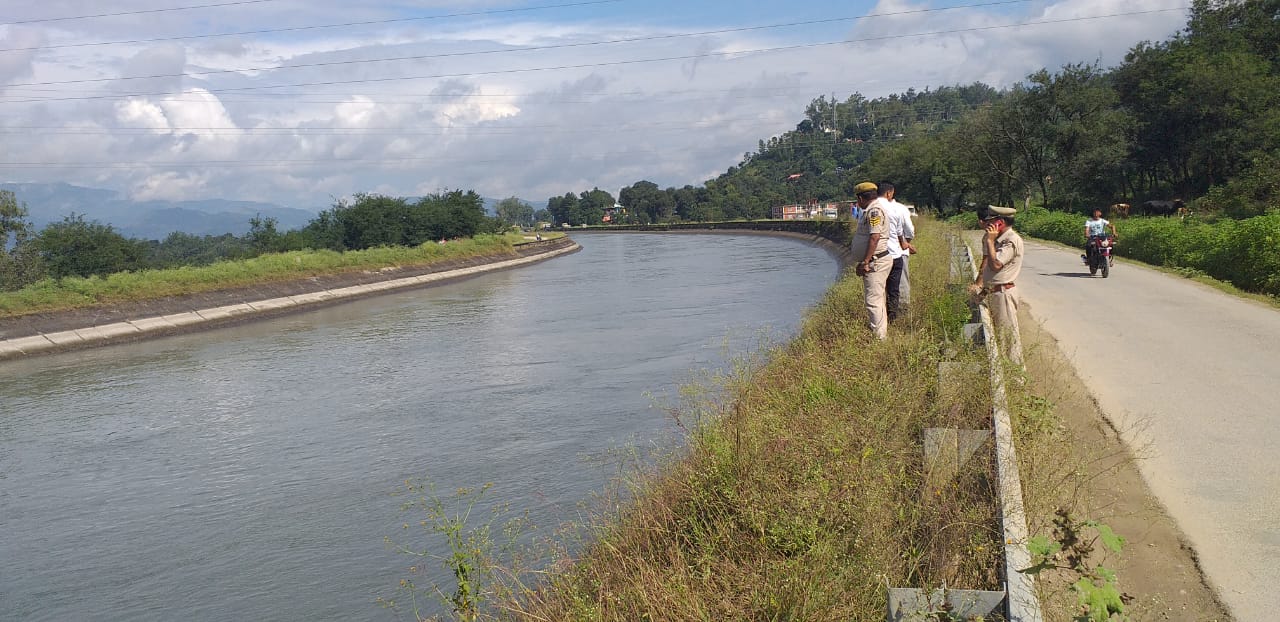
[[247, 473]]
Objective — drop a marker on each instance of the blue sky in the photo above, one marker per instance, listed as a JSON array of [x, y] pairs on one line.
[[532, 103]]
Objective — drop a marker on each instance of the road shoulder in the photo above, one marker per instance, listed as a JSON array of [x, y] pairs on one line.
[[1157, 568]]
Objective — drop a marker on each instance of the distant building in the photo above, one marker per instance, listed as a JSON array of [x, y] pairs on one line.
[[829, 210], [611, 213]]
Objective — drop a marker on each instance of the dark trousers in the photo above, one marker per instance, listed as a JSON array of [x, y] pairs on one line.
[[894, 287]]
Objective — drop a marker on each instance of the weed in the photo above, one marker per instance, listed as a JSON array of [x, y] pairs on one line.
[[1071, 549], [473, 555]]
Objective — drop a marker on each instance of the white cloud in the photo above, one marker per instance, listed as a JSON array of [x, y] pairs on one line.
[[142, 114], [19, 63], [504, 124], [169, 185]]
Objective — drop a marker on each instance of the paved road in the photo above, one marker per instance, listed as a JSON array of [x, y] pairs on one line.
[[1196, 373]]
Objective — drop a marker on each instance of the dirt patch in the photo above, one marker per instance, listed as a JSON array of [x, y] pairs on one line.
[[72, 319], [1157, 566]]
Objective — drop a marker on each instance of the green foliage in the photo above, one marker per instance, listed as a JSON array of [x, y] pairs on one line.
[[646, 203], [263, 237], [1245, 253], [515, 211], [469, 549], [372, 220], [585, 209], [76, 247], [20, 260], [184, 249], [1071, 550]]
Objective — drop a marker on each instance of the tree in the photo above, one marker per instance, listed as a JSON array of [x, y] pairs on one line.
[[263, 237], [20, 262], [515, 211], [647, 202], [590, 207], [76, 247], [184, 249], [447, 215], [372, 220], [560, 208]]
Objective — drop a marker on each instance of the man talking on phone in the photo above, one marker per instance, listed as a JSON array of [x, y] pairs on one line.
[[1002, 254]]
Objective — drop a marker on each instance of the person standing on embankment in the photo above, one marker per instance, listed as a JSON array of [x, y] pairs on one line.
[[1002, 253], [871, 245]]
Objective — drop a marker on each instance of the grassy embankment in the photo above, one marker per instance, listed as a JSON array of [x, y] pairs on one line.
[[801, 492], [74, 292]]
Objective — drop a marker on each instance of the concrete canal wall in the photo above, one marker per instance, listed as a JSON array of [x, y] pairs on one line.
[[80, 328]]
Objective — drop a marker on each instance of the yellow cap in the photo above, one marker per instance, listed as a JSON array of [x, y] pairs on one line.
[[865, 186]]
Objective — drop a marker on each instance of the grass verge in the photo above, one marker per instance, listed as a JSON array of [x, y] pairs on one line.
[[74, 293]]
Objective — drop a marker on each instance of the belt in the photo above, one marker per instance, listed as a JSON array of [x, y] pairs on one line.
[[879, 255], [1000, 287]]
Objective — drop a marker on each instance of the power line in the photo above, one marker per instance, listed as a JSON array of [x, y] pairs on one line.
[[315, 27], [917, 114], [277, 163], [532, 48], [139, 12], [542, 97], [736, 53], [346, 162]]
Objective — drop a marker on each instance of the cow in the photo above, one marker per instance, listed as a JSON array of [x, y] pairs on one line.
[[1120, 209], [1162, 208]]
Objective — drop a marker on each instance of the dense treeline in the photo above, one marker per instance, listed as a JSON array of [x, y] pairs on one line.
[[1194, 117], [77, 247]]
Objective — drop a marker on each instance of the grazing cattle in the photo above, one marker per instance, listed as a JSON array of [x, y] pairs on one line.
[[1184, 213], [1120, 209], [1162, 208]]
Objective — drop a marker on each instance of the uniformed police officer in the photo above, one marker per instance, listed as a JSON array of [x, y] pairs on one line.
[[871, 248], [1002, 254]]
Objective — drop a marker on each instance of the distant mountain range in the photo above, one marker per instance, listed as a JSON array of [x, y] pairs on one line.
[[154, 220]]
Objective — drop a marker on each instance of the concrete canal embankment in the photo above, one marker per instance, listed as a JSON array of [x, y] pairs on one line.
[[42, 333]]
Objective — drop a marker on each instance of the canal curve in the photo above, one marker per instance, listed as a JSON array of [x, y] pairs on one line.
[[247, 472]]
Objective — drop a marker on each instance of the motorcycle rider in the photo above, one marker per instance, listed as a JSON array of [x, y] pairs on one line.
[[1095, 227]]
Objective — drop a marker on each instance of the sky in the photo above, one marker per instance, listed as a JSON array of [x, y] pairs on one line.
[[303, 102]]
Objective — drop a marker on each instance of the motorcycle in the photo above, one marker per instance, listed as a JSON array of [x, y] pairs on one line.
[[1099, 254]]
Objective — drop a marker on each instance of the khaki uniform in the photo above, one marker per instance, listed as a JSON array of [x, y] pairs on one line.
[[1002, 298], [875, 219]]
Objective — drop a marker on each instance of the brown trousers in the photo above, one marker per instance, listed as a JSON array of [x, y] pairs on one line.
[[1004, 314], [873, 293]]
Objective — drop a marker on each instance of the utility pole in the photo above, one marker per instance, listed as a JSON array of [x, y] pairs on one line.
[[835, 118]]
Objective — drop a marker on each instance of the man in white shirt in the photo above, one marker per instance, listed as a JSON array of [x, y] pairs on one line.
[[1095, 227], [901, 232]]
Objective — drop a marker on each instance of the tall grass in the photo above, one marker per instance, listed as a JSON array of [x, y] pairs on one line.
[[801, 493], [76, 292]]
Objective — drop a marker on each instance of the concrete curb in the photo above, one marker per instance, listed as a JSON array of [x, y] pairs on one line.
[[156, 326], [1021, 600]]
